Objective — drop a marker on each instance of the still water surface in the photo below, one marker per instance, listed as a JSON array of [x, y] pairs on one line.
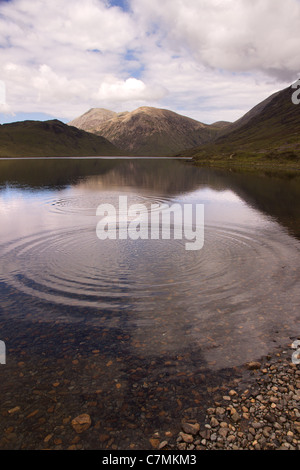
[[222, 306]]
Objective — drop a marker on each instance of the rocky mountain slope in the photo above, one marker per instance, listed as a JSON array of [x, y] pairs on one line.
[[92, 118], [148, 131]]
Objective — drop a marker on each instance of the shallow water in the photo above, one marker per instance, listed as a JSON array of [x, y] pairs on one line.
[[216, 308]]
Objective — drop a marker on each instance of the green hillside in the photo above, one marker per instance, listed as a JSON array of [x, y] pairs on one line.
[[51, 139], [271, 135]]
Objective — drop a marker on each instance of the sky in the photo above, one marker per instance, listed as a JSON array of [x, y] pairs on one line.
[[210, 60]]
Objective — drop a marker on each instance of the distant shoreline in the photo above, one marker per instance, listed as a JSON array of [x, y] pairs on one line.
[[225, 164], [247, 166], [97, 158]]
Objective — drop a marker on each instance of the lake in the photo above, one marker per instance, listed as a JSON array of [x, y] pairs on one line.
[[137, 333]]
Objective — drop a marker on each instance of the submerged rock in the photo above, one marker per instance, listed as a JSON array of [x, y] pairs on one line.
[[81, 423]]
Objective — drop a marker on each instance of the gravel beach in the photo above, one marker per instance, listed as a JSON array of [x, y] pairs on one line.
[[56, 403], [263, 416]]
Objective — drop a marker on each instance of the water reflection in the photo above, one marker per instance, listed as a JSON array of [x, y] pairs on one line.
[[226, 300], [275, 194]]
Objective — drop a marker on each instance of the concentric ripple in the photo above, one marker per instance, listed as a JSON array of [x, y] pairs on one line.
[[73, 267], [87, 204]]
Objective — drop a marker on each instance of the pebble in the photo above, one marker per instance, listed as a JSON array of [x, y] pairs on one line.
[[189, 428], [162, 445], [48, 438], [188, 438], [14, 410], [214, 422], [154, 443], [253, 365], [81, 423], [265, 416]]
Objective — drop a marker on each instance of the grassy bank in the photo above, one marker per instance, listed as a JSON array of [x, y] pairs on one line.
[[274, 160]]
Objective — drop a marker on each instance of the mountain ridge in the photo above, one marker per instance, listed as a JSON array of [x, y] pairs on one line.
[[51, 139], [91, 118], [269, 131], [149, 131]]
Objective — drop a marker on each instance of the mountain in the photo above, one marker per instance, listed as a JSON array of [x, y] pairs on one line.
[[251, 114], [222, 124], [90, 120], [148, 131], [51, 139], [270, 131]]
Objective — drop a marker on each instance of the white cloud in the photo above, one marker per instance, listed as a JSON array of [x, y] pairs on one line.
[[53, 87], [55, 54], [84, 25], [2, 93], [210, 59], [128, 90], [4, 107], [235, 35]]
